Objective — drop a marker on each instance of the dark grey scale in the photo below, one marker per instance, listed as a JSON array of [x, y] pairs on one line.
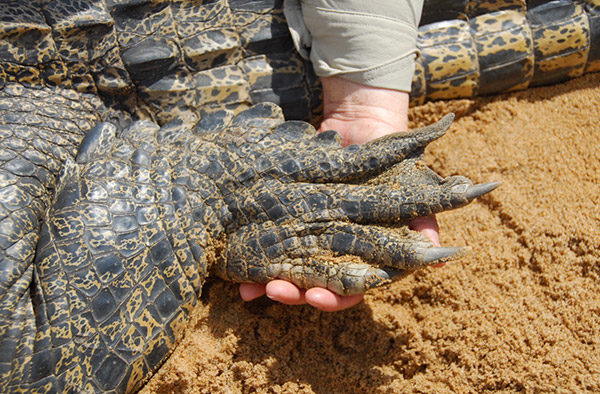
[[211, 48], [214, 92], [507, 68], [290, 166], [173, 133], [150, 59], [263, 165], [272, 207], [20, 167], [213, 122], [266, 110], [435, 10], [289, 89], [141, 172], [228, 185], [239, 216], [260, 37], [210, 14], [593, 13], [558, 17], [329, 137], [94, 141], [113, 369], [180, 176], [136, 20], [175, 93], [138, 144], [254, 206], [294, 131], [117, 169], [280, 80], [342, 242]]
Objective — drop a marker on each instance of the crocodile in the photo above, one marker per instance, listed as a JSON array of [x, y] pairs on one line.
[[143, 214], [139, 154]]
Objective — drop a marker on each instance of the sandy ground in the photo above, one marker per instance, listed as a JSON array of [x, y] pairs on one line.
[[521, 312]]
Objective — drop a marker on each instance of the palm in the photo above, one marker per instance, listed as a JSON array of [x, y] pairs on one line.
[[360, 114]]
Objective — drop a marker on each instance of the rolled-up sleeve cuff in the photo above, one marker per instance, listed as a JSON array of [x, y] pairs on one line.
[[373, 43], [397, 75]]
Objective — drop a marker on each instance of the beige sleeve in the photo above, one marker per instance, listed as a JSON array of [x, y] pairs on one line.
[[371, 42]]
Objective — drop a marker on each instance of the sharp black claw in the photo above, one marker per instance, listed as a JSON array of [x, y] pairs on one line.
[[480, 189]]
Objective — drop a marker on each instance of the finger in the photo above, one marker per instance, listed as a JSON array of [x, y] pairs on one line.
[[367, 204], [329, 162], [328, 301], [379, 204], [372, 158], [250, 291], [399, 247], [301, 254], [285, 292], [427, 226]]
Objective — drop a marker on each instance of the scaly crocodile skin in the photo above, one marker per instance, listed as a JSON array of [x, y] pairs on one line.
[[137, 221], [165, 59], [159, 59], [143, 213], [504, 45]]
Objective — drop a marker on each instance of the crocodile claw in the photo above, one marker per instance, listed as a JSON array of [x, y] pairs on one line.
[[438, 254], [475, 191]]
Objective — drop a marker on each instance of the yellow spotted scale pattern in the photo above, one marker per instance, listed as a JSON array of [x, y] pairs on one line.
[[471, 48], [134, 161]]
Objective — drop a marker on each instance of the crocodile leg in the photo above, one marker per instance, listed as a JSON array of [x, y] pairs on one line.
[[34, 142], [344, 257], [144, 213]]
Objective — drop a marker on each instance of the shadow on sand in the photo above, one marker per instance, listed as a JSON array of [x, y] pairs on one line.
[[328, 352]]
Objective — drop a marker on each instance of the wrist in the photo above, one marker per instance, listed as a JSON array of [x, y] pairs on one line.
[[361, 113]]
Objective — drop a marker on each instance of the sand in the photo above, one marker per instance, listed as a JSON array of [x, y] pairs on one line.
[[521, 312]]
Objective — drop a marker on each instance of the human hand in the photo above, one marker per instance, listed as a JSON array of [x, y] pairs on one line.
[[360, 114]]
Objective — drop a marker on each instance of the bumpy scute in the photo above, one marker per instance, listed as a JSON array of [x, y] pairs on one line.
[[497, 46]]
